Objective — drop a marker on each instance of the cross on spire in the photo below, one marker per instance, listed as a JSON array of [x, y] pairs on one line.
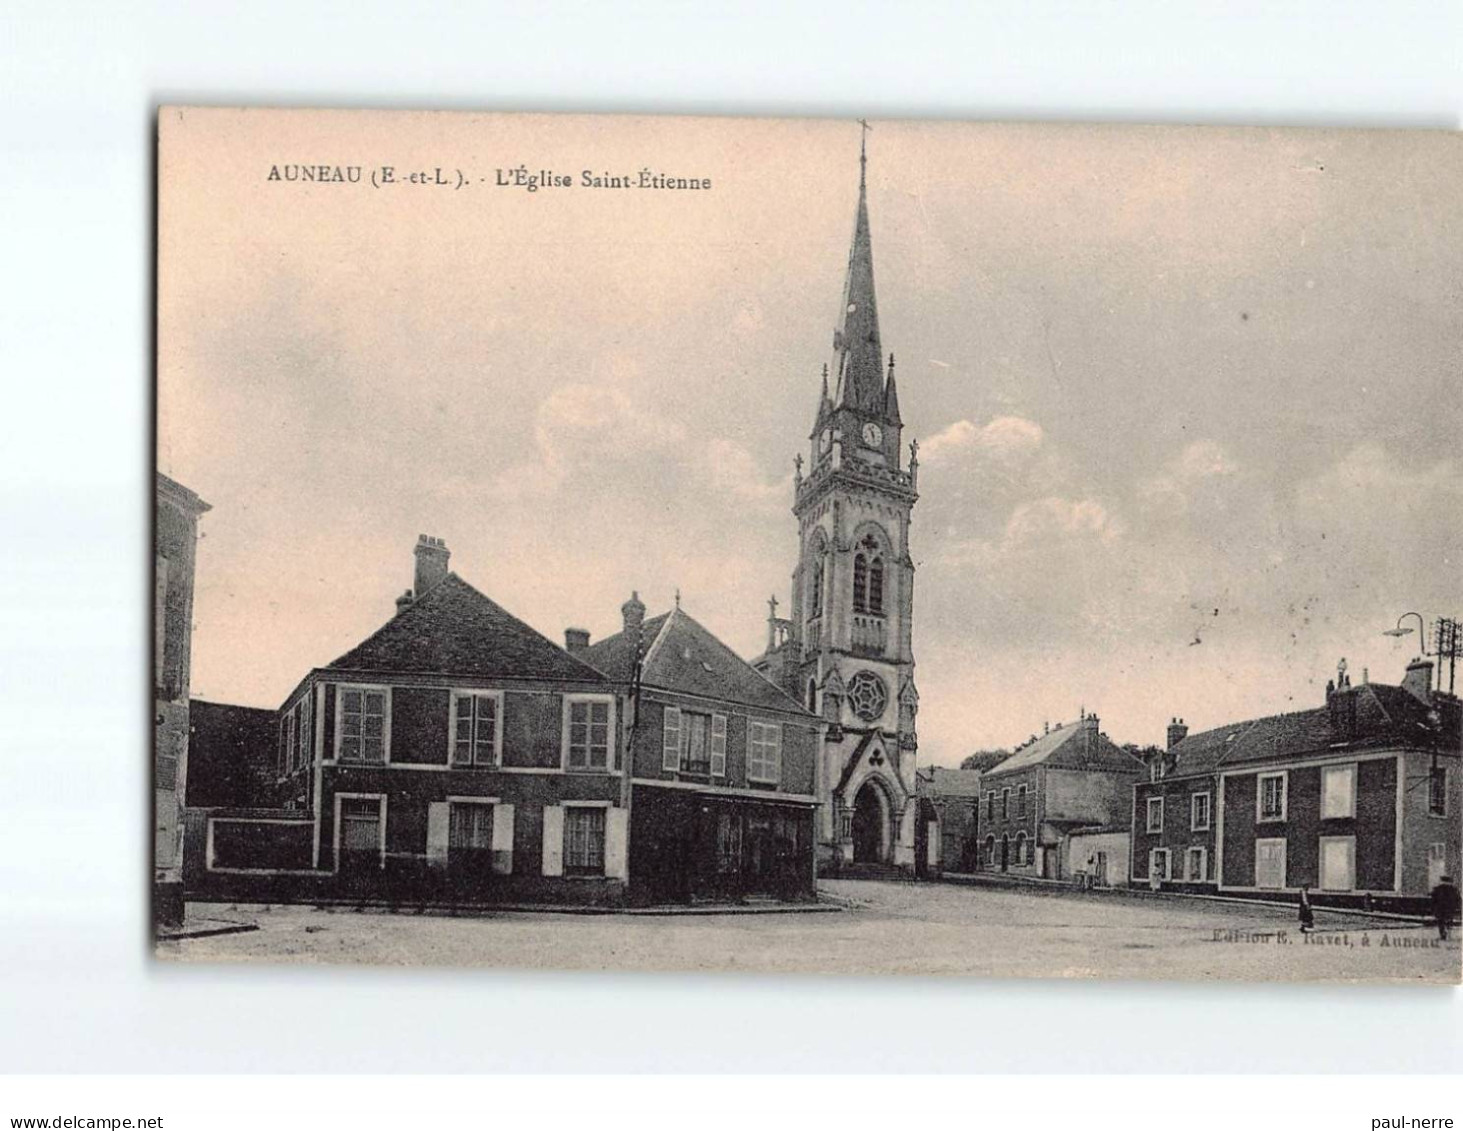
[[863, 149]]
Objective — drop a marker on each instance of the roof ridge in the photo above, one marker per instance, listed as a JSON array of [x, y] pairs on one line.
[[727, 649]]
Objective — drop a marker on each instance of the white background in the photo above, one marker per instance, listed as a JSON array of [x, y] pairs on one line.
[[77, 89]]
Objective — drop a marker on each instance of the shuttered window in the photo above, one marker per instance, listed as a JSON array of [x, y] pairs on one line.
[[470, 826], [584, 841]]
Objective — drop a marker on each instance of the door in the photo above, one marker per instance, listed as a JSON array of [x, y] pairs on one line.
[[1005, 851], [1099, 876], [1338, 863], [868, 826], [1270, 863], [360, 839]]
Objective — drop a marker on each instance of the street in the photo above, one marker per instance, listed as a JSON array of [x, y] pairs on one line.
[[887, 928]]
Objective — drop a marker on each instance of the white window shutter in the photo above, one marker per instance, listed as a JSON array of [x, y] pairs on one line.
[[671, 751], [617, 840], [718, 746], [503, 839], [553, 840], [777, 751], [438, 822]]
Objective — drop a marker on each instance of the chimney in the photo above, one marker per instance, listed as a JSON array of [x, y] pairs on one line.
[[633, 611], [1090, 722], [1419, 680], [576, 640], [403, 601], [1178, 730], [432, 555]]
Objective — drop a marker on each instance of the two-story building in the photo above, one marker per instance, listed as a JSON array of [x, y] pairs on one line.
[[1357, 799], [455, 753], [1072, 777], [723, 764]]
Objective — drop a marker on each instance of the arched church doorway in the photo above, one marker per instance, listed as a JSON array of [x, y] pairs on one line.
[[869, 820]]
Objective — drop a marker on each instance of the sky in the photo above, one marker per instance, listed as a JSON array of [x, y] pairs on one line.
[[1186, 397]]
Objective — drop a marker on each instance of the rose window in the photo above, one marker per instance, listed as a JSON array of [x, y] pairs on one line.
[[867, 695]]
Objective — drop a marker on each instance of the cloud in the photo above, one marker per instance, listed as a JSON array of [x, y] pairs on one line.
[[1005, 437], [1053, 517]]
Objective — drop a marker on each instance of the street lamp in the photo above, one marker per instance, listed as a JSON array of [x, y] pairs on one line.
[[1421, 634]]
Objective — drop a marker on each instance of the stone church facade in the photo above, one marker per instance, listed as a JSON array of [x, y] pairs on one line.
[[846, 651]]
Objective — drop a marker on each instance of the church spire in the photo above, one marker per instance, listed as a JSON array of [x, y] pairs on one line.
[[858, 357], [891, 398]]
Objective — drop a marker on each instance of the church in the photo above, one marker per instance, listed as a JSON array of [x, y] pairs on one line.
[[846, 651]]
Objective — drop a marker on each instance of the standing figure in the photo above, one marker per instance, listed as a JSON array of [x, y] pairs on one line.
[[1445, 905], [1307, 913]]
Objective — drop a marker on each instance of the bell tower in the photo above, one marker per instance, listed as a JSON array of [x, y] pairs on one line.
[[846, 651]]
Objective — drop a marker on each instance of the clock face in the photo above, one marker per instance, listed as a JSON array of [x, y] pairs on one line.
[[873, 435], [825, 441]]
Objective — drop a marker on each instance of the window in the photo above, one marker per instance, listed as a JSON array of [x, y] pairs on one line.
[[291, 729], [584, 841], [281, 761], [728, 842], [1338, 791], [1021, 848], [1338, 863], [1196, 862], [876, 587], [361, 830], [1437, 791], [990, 848], [764, 751], [1021, 801], [363, 729], [587, 732], [990, 804], [1155, 815], [1005, 803], [868, 578], [1158, 864], [477, 727], [469, 828], [307, 729], [1270, 862], [815, 587], [1199, 804], [692, 743], [1270, 797]]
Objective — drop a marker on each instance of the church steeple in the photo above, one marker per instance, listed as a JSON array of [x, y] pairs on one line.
[[858, 357]]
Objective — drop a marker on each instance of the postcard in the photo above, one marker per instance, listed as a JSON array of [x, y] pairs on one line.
[[808, 546]]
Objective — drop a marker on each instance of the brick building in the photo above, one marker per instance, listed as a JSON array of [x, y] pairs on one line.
[[454, 754], [950, 818], [723, 764], [1357, 799], [1073, 777]]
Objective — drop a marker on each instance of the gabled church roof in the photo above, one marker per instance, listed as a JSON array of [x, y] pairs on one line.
[[683, 655], [452, 629]]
